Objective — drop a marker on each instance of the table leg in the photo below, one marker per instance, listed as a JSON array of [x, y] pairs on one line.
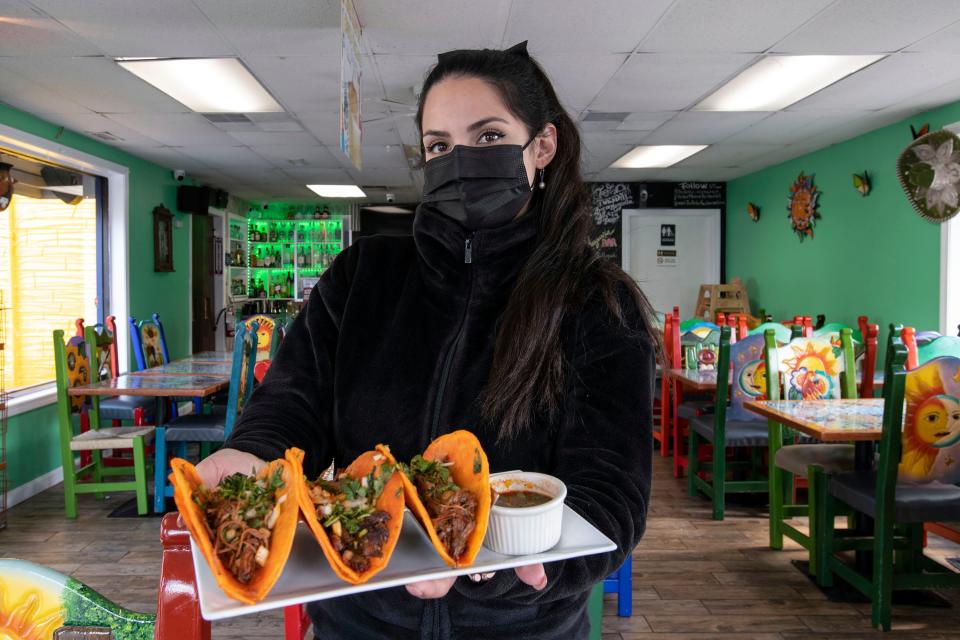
[[160, 457], [863, 524]]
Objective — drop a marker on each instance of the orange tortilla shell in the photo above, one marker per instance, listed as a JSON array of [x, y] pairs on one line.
[[390, 501], [186, 480], [462, 449]]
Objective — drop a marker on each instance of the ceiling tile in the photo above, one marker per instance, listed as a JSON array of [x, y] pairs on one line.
[[325, 125], [788, 126], [403, 26], [645, 120], [578, 79], [748, 25], [727, 155], [401, 73], [291, 27], [667, 82], [224, 158], [552, 26], [946, 40], [172, 28], [174, 129], [380, 132], [26, 31], [891, 80], [294, 156], [257, 138], [27, 95], [702, 127], [386, 177], [870, 26], [300, 83]]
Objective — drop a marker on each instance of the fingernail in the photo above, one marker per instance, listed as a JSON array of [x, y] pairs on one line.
[[540, 586]]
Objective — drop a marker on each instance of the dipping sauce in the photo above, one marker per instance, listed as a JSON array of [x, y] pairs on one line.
[[522, 499]]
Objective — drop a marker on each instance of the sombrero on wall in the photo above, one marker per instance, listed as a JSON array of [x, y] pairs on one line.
[[929, 172]]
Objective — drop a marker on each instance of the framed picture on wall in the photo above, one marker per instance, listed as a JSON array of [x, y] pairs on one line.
[[162, 239]]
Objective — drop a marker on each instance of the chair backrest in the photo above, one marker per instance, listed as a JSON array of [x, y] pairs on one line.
[[810, 368], [72, 364], [104, 358], [265, 329], [149, 342], [941, 346], [700, 347], [832, 329], [671, 340], [870, 333], [921, 425], [748, 371], [241, 376], [780, 331]]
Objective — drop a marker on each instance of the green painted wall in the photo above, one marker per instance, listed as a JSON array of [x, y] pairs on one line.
[[32, 437], [870, 255]]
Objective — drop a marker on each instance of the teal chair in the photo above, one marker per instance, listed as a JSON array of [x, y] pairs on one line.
[[731, 427], [207, 429], [914, 482]]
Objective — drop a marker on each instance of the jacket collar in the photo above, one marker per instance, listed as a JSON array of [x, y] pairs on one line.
[[496, 255]]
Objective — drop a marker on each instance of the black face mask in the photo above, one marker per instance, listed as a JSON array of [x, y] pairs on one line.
[[479, 187]]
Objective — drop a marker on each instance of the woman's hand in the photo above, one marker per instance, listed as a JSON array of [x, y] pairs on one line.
[[225, 462], [533, 575]]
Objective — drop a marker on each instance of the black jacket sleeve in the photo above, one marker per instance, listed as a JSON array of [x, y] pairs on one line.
[[603, 454], [293, 406]]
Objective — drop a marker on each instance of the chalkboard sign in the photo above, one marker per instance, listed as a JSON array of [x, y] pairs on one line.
[[609, 199], [699, 195]]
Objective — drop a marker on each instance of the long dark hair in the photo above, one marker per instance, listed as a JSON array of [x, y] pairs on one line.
[[528, 372]]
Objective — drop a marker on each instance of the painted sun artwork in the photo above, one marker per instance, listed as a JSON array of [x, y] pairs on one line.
[[810, 370], [152, 350], [265, 325], [802, 211], [749, 375], [931, 425], [78, 369]]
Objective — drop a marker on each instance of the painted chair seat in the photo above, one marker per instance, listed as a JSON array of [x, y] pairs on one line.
[[109, 437], [193, 428], [739, 433], [123, 407], [691, 408], [914, 502], [834, 458]]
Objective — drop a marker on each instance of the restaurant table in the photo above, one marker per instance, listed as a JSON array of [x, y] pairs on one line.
[[209, 356], [859, 421], [694, 379], [188, 367]]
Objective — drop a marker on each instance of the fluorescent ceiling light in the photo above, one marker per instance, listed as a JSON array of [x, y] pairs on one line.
[[776, 82], [337, 190], [205, 85], [656, 156]]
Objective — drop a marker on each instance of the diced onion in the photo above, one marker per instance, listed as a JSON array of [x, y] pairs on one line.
[[354, 504], [261, 557], [363, 482], [336, 528], [274, 516], [347, 554], [326, 510], [282, 499], [377, 457]]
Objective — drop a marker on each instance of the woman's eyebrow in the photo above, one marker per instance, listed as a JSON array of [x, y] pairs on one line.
[[476, 125]]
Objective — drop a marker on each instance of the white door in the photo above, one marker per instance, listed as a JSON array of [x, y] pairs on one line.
[[670, 253]]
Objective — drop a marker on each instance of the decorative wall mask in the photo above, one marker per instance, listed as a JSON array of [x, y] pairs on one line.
[[929, 172], [804, 200], [861, 182]]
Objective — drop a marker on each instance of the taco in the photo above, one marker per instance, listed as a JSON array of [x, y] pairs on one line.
[[244, 526], [448, 490], [356, 517]]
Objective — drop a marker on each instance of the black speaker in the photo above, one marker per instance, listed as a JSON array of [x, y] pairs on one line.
[[195, 200]]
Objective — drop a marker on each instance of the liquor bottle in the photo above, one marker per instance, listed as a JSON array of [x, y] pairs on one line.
[[289, 285], [300, 259]]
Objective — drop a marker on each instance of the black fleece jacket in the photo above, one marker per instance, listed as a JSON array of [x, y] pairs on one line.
[[395, 346]]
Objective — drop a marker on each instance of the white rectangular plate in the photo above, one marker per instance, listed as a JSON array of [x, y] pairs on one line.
[[307, 575]]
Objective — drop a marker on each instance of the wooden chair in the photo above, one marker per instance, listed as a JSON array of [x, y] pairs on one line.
[[207, 429], [621, 583], [664, 434], [73, 366], [731, 427], [805, 369], [149, 342], [911, 485], [695, 349]]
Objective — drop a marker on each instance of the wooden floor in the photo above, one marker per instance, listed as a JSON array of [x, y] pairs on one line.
[[693, 578]]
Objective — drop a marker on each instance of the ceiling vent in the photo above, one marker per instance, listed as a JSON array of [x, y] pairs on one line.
[[233, 118]]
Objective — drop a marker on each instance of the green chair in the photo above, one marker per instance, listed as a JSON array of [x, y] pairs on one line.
[[74, 362], [911, 485], [731, 427], [781, 332], [805, 369]]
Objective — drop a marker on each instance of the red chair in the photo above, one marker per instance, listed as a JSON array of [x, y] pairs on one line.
[[178, 606], [665, 435], [869, 333]]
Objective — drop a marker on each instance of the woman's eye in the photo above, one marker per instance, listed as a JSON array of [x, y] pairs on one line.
[[489, 136], [436, 147]]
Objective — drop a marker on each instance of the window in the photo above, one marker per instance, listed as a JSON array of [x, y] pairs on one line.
[[50, 269]]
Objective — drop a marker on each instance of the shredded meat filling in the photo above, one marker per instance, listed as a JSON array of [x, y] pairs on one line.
[[234, 542], [454, 515], [355, 550]]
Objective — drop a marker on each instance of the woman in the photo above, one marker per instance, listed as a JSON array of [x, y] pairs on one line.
[[496, 316]]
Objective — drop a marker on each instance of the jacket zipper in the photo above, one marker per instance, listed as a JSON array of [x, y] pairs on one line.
[[448, 358]]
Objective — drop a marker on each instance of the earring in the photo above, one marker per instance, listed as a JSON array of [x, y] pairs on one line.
[[543, 184]]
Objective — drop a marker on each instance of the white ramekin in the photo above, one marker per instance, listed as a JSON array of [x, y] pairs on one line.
[[519, 531]]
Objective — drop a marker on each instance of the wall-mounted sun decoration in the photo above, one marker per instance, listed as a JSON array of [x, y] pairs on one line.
[[812, 372], [802, 211]]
